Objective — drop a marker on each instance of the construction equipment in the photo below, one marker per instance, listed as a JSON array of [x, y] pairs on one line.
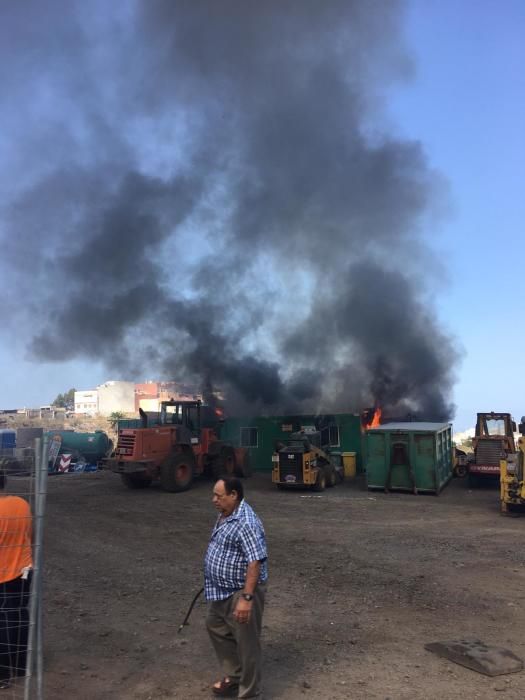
[[493, 441], [460, 458], [301, 461], [174, 449], [512, 484]]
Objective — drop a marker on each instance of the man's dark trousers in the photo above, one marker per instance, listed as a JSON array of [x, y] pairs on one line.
[[238, 646]]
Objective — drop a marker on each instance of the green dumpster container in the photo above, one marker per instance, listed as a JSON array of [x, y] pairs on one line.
[[409, 457]]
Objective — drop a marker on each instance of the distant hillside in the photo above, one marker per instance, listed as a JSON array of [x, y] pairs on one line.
[[80, 424], [464, 440]]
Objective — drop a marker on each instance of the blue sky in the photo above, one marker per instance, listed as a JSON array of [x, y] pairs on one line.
[[466, 104]]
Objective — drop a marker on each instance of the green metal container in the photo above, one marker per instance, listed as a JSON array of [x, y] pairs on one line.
[[91, 446], [261, 434], [128, 423], [409, 457]]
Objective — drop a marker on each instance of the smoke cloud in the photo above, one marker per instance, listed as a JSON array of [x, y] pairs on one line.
[[206, 191]]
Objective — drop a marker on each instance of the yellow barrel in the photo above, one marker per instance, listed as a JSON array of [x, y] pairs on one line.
[[349, 466]]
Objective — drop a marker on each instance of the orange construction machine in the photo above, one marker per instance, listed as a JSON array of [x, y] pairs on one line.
[[493, 441], [174, 448]]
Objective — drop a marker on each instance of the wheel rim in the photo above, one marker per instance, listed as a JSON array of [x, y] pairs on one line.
[[182, 472]]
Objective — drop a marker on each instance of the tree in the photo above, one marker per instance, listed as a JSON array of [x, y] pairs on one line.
[[66, 400], [114, 418]]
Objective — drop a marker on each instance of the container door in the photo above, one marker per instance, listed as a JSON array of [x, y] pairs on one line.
[[400, 473], [376, 459], [444, 457], [428, 454]]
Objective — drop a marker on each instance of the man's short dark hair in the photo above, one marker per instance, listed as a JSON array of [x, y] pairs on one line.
[[232, 483]]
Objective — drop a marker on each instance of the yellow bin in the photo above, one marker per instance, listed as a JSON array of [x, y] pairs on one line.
[[349, 466]]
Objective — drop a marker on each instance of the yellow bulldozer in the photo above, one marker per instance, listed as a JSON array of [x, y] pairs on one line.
[[512, 478], [302, 461]]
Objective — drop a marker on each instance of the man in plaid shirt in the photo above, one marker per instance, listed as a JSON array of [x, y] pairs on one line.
[[235, 575]]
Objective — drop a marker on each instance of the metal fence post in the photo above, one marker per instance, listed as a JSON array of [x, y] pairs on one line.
[[42, 491], [35, 640]]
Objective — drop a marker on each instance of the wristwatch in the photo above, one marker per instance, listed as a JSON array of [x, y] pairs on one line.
[[247, 596]]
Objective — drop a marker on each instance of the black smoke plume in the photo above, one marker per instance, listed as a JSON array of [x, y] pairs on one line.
[[206, 190]]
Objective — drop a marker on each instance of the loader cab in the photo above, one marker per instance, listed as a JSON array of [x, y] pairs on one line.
[[490, 424], [185, 413], [496, 426], [303, 441], [492, 442]]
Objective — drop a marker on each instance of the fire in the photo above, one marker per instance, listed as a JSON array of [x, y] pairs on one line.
[[219, 412], [371, 418], [376, 420]]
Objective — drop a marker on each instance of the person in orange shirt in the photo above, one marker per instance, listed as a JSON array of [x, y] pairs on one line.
[[16, 562]]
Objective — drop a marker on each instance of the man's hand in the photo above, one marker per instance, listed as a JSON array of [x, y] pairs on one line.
[[243, 610]]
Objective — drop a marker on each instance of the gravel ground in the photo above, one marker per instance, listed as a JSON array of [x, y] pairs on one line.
[[359, 582]]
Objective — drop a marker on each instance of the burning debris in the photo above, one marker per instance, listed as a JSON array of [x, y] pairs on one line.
[[371, 418], [228, 208]]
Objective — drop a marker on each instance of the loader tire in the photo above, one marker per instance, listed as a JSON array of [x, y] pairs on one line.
[[224, 464], [176, 472], [331, 477], [244, 466], [460, 471], [320, 482], [136, 480]]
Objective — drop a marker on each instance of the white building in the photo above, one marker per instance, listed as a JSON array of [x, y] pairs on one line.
[[116, 397], [86, 402], [151, 405]]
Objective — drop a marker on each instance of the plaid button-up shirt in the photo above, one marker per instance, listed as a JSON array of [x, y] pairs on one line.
[[235, 542]]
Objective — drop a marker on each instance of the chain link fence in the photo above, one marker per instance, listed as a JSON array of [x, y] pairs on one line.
[[23, 489]]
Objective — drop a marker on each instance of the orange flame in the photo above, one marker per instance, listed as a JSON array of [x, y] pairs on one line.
[[376, 420]]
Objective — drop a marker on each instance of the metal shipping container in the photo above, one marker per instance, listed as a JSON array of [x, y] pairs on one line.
[[261, 434], [409, 457]]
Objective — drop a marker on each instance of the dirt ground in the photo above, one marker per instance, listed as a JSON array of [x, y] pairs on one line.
[[359, 582]]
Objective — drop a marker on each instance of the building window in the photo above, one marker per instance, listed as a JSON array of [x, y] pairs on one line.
[[249, 437], [333, 432], [330, 436]]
